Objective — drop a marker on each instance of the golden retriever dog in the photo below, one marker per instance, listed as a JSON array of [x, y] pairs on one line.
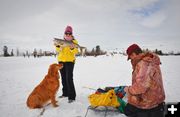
[[46, 90]]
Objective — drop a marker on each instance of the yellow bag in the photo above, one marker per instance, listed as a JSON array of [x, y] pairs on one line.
[[104, 99]]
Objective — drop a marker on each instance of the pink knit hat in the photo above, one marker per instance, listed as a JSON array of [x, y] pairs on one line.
[[68, 30]]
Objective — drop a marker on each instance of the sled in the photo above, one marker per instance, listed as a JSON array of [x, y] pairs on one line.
[[104, 100], [104, 109]]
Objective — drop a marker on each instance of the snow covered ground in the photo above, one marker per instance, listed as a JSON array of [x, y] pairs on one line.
[[19, 76]]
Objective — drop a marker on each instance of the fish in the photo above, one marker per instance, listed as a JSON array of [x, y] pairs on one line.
[[65, 43]]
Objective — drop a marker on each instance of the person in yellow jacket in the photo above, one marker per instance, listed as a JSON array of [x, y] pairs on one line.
[[66, 56]]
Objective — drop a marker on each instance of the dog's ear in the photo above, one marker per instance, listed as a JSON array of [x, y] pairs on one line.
[[60, 65], [52, 70]]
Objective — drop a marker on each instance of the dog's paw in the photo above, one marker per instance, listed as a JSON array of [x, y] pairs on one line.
[[55, 105]]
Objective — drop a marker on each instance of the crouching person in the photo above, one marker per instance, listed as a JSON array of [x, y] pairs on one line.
[[146, 94]]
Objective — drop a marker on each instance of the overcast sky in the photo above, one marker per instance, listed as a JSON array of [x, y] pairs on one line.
[[29, 24]]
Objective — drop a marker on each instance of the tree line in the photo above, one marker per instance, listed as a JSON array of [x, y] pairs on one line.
[[160, 52], [39, 53], [35, 53], [96, 51]]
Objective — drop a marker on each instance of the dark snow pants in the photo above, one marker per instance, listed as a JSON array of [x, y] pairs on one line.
[[67, 80], [132, 111]]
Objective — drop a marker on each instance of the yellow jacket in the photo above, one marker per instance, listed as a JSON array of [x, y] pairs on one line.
[[67, 54]]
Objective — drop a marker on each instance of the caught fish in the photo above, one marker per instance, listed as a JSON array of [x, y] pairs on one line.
[[65, 43]]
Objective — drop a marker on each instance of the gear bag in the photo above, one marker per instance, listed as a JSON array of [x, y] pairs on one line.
[[104, 99]]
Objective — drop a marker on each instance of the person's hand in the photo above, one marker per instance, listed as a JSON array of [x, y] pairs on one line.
[[126, 89], [55, 44]]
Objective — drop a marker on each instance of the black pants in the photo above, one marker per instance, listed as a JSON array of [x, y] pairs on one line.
[[132, 111], [67, 80]]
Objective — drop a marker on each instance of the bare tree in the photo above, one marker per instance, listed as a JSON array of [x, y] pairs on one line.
[[98, 50], [35, 53], [17, 52], [5, 50], [12, 53], [27, 54]]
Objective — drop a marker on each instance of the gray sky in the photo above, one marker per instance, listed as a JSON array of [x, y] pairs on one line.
[[29, 24]]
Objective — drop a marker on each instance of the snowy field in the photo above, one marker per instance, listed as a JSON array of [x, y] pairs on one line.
[[19, 76]]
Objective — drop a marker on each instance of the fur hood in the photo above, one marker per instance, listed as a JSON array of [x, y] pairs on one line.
[[151, 58], [148, 57]]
